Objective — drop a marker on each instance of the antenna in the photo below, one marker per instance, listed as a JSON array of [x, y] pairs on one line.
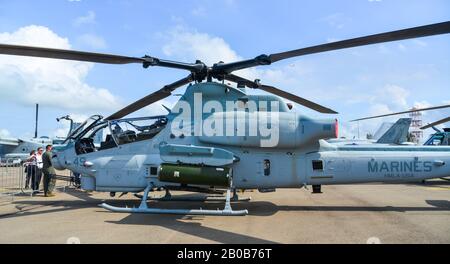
[[67, 117], [36, 125]]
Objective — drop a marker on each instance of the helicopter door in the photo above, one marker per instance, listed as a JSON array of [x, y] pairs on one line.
[[277, 170], [265, 167]]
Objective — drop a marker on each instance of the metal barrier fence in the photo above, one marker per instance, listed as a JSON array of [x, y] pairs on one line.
[[22, 178], [11, 179]]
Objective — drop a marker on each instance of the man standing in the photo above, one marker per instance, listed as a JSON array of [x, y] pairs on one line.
[[49, 172], [38, 173], [30, 169]]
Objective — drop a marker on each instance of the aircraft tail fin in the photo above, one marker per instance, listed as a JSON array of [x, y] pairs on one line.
[[398, 133]]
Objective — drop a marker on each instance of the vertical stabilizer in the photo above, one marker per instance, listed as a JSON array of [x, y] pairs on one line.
[[398, 133]]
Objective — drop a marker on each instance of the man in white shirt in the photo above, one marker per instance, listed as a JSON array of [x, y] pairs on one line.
[[38, 177]]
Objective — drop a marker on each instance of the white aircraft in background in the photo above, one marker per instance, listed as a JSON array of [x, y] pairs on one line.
[[16, 150]]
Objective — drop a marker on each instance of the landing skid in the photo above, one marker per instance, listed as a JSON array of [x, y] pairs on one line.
[[143, 208], [168, 197]]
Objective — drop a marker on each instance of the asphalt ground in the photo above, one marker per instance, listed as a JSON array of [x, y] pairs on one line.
[[374, 213]]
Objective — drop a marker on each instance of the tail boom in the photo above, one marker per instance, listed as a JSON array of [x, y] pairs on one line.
[[377, 164]]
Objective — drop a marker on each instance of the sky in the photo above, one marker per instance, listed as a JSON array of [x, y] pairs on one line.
[[356, 82]]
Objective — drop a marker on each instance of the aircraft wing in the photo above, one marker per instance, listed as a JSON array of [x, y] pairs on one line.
[[9, 141], [190, 154]]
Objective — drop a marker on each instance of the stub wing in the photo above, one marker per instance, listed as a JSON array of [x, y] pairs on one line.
[[188, 154], [9, 141]]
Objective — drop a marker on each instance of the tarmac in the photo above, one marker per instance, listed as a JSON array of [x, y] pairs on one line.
[[370, 213]]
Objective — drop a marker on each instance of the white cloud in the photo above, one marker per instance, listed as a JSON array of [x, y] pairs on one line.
[[393, 96], [384, 100], [50, 82], [188, 45], [387, 99], [92, 41], [4, 133], [89, 18], [422, 104]]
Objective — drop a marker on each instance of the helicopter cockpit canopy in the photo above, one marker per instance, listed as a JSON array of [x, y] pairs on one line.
[[100, 135], [438, 139], [130, 130], [81, 129]]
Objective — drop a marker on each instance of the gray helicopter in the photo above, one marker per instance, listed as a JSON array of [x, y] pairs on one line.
[[219, 138]]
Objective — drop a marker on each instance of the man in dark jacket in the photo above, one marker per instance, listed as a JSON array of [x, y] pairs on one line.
[[49, 172]]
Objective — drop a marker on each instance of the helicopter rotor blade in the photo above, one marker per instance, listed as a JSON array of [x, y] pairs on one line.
[[403, 112], [66, 54], [281, 93], [164, 92], [298, 99], [416, 32], [240, 80], [445, 120], [19, 50]]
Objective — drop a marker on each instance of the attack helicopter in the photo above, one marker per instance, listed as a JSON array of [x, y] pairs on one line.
[[218, 137]]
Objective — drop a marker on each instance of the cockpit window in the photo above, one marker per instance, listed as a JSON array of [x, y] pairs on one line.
[[132, 130], [103, 135], [436, 140], [96, 138]]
